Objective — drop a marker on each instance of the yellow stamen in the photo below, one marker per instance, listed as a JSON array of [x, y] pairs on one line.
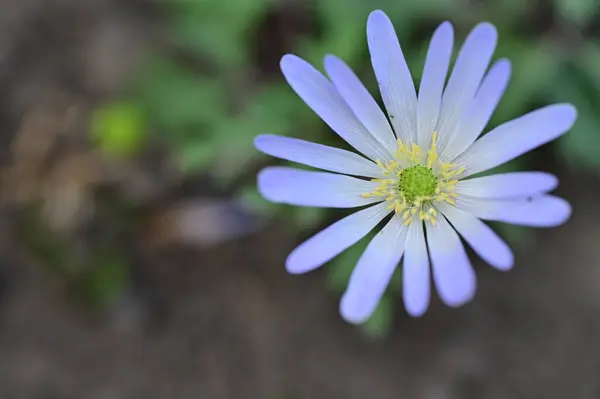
[[410, 190]]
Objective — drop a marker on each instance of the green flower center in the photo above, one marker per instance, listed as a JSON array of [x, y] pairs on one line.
[[417, 182]]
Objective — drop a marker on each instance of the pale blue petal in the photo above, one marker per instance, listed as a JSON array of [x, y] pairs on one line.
[[542, 211], [517, 137], [373, 272], [472, 62], [330, 242], [484, 241], [321, 95], [307, 188], [432, 82], [360, 101], [394, 79], [416, 280], [317, 155], [480, 109], [453, 274], [508, 185]]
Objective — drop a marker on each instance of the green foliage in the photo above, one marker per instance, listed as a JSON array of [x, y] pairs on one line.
[[44, 243], [579, 83], [251, 198], [534, 68], [378, 326], [118, 128], [98, 278], [104, 283], [217, 30], [576, 11], [340, 268]]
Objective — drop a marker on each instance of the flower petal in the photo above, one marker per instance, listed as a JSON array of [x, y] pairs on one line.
[[453, 274], [316, 155], [479, 111], [517, 137], [328, 243], [542, 211], [432, 82], [373, 272], [394, 79], [320, 95], [415, 272], [306, 188], [484, 241], [472, 62], [508, 185], [360, 101]]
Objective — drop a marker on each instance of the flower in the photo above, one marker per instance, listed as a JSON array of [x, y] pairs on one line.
[[417, 167]]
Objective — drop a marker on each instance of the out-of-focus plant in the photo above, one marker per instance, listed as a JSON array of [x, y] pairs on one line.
[[99, 278], [118, 128], [205, 96]]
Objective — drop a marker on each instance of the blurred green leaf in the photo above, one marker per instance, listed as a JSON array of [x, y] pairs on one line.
[[105, 281], [340, 268], [200, 26], [251, 198], [407, 13], [379, 324], [395, 286], [517, 236], [507, 14], [576, 11], [589, 60], [308, 217], [270, 110], [119, 128], [180, 101], [274, 109], [197, 155], [534, 67], [580, 146], [45, 244], [344, 23]]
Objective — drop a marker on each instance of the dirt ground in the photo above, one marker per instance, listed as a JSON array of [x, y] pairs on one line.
[[229, 323]]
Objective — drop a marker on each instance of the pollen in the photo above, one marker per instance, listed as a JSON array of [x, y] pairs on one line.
[[415, 180]]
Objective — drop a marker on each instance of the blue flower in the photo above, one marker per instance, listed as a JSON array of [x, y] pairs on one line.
[[415, 169]]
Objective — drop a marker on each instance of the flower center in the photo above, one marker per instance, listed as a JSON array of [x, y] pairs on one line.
[[415, 181]]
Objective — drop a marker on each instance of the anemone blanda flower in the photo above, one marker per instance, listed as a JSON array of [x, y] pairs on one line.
[[416, 167]]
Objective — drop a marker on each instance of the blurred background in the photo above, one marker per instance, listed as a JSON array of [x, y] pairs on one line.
[[138, 260]]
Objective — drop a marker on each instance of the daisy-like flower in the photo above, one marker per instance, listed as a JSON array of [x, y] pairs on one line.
[[416, 167]]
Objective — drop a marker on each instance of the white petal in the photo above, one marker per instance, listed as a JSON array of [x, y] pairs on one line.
[[472, 62], [328, 243], [453, 274], [484, 241], [306, 188], [480, 109], [360, 101], [373, 272], [394, 79], [432, 82], [320, 95], [542, 211], [415, 272], [508, 185], [517, 137], [316, 155]]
